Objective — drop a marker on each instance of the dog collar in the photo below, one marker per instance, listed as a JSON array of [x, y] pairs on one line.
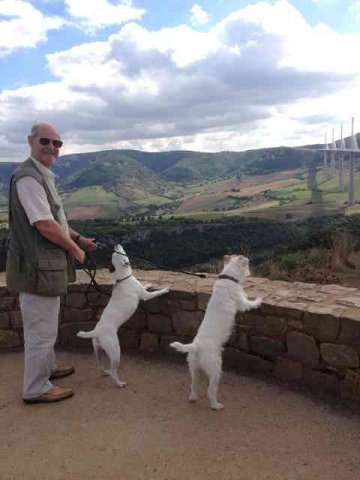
[[122, 279], [227, 277]]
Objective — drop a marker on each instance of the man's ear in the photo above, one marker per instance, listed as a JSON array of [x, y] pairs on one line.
[[30, 140], [111, 268]]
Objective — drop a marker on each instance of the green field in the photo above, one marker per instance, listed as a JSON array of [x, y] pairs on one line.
[[92, 197]]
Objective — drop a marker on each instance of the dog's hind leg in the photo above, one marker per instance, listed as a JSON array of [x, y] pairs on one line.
[[112, 349], [98, 353], [212, 367], [194, 372]]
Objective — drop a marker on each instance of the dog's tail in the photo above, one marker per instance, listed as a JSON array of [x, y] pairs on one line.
[[90, 334], [185, 348]]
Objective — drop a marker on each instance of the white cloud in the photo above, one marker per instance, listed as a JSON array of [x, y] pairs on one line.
[[23, 26], [354, 9], [96, 14], [198, 15], [258, 78]]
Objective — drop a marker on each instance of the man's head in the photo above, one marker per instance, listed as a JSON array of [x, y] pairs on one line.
[[44, 142]]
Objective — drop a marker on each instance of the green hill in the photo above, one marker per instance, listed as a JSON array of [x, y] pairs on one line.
[[114, 183]]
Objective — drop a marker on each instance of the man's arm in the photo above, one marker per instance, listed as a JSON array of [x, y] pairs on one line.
[[55, 234], [84, 242]]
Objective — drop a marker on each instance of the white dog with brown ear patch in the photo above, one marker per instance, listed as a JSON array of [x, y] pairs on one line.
[[125, 298], [228, 297]]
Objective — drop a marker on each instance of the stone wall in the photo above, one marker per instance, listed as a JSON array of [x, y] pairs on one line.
[[303, 334]]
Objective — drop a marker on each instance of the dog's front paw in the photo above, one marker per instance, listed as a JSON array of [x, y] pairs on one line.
[[217, 406], [165, 290], [257, 302]]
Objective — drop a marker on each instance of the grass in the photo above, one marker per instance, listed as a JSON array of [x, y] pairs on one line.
[[151, 200], [89, 196]]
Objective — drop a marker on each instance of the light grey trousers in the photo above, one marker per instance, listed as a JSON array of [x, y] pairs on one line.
[[40, 320]]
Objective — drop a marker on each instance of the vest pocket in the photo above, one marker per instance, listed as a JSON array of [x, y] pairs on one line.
[[52, 272], [52, 261]]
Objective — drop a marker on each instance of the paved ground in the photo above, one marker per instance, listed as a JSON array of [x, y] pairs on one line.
[[150, 431]]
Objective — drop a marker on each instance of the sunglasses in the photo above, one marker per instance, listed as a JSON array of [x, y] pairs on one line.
[[46, 141]]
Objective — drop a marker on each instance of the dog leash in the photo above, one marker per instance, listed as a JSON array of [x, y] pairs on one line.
[[90, 268], [103, 244]]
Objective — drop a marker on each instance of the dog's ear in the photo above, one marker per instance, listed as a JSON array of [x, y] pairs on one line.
[[111, 268], [226, 258]]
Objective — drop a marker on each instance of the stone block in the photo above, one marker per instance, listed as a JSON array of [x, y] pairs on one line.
[[268, 307], [291, 310], [339, 355], [149, 342], [80, 287], [136, 322], [159, 323], [168, 307], [16, 303], [295, 325], [268, 326], [152, 306], [233, 340], [187, 323], [9, 339], [98, 312], [98, 299], [78, 315], [6, 304], [303, 348], [3, 291], [203, 300], [180, 295], [350, 387], [350, 328], [167, 339], [128, 338], [188, 305], [68, 331], [244, 343], [288, 370], [266, 347], [245, 362], [16, 319], [322, 322], [4, 320], [321, 382], [350, 301], [75, 300]]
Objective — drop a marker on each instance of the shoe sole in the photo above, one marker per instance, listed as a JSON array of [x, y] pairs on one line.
[[53, 400], [61, 375]]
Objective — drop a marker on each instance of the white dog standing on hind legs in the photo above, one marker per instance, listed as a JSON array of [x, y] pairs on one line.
[[228, 298], [125, 298]]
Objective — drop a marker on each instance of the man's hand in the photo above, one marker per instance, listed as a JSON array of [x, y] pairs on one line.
[[87, 244], [78, 254]]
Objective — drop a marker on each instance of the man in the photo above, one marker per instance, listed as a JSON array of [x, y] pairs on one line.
[[39, 264]]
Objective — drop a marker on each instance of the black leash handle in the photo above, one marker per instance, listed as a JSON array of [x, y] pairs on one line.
[[89, 267]]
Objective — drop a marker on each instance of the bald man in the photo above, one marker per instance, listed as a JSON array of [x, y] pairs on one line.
[[39, 264]]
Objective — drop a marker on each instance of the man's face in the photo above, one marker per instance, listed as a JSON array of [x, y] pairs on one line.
[[45, 154]]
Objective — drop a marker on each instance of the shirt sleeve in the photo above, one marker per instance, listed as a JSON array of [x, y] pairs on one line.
[[33, 199]]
